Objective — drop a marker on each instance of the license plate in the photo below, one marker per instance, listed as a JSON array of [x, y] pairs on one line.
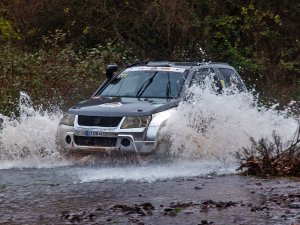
[[92, 133]]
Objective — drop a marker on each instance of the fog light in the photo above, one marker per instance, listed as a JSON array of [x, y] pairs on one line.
[[125, 142], [68, 139]]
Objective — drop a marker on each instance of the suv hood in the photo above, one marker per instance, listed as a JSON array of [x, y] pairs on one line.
[[119, 107]]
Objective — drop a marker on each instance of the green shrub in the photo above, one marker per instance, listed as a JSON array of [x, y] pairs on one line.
[[7, 32], [55, 74]]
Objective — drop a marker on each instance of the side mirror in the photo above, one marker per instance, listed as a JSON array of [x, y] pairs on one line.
[[110, 69]]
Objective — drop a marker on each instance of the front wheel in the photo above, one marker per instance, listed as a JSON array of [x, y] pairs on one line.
[[163, 149]]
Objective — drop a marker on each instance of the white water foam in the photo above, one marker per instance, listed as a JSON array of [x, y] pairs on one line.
[[210, 126], [151, 173], [28, 141]]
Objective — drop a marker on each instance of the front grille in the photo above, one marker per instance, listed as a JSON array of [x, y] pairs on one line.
[[95, 141], [99, 121]]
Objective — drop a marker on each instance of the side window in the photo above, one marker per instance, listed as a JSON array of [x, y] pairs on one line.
[[231, 78], [200, 75]]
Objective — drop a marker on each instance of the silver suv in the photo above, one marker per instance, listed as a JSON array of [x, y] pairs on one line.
[[128, 110]]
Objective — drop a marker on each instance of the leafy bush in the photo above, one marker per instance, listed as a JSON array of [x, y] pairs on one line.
[[6, 30], [55, 72]]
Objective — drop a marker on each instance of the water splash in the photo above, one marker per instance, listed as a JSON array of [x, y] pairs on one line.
[[210, 126], [152, 173], [204, 131], [29, 139]]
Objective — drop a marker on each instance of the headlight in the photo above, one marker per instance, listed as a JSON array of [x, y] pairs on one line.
[[136, 122], [68, 119]]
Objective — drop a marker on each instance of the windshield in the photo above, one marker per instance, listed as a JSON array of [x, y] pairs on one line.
[[145, 84]]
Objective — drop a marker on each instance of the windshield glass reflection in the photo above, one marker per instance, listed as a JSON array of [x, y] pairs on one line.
[[145, 84]]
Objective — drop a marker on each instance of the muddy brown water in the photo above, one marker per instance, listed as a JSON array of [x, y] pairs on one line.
[[54, 196]]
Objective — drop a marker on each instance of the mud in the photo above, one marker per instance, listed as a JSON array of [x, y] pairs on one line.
[[54, 196]]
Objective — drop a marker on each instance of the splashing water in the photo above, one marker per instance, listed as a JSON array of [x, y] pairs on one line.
[[210, 126], [204, 131], [29, 140], [151, 173]]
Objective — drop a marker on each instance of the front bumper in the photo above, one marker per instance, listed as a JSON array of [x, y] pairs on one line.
[[67, 138], [106, 139]]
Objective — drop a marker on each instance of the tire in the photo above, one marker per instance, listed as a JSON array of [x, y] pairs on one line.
[[163, 149]]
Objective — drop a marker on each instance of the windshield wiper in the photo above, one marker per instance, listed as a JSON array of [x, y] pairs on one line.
[[145, 85], [168, 89]]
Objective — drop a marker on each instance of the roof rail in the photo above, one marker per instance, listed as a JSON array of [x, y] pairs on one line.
[[141, 63], [196, 63], [151, 63], [168, 64], [216, 63], [186, 63], [160, 63]]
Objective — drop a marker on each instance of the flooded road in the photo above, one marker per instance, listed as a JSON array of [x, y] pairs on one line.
[[62, 196]]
